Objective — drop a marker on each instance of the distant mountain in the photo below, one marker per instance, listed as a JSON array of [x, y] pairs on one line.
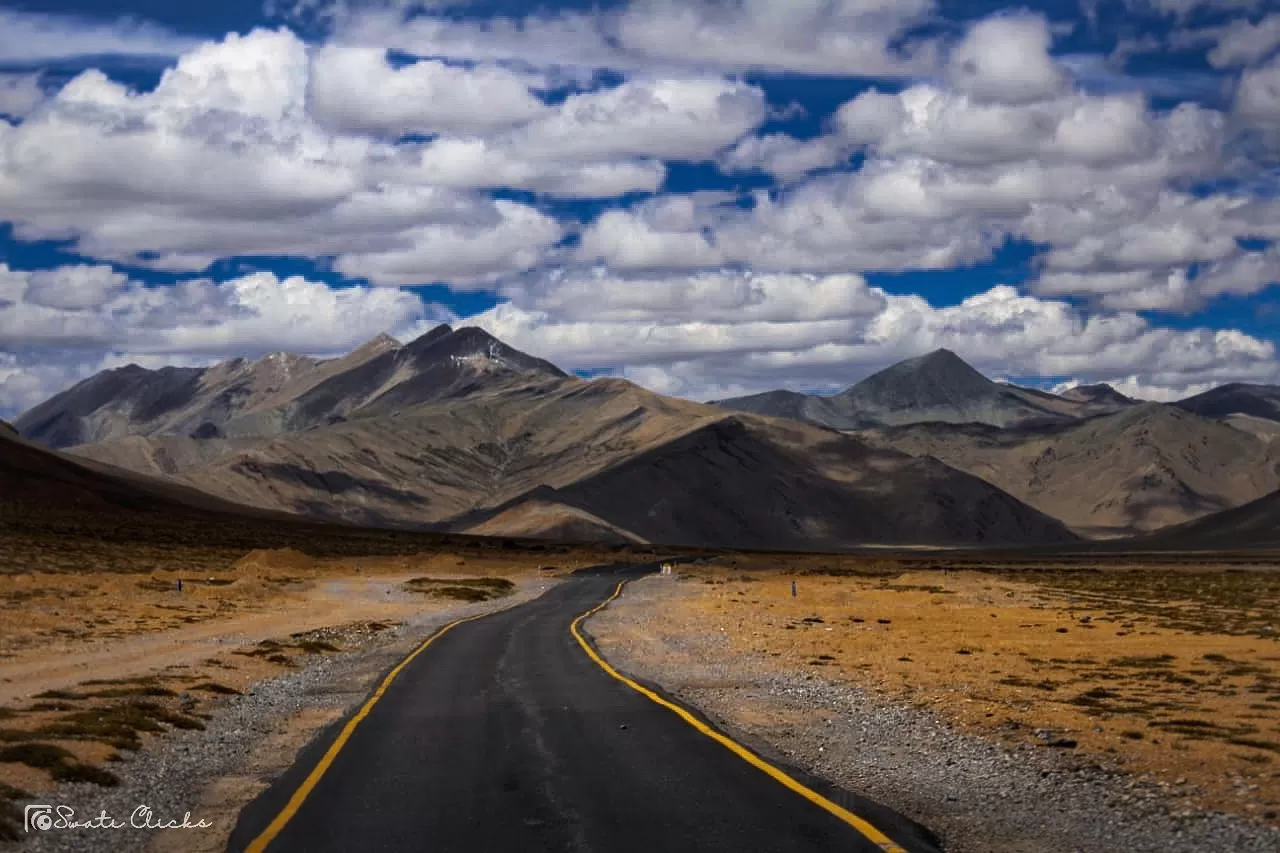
[[1258, 401], [457, 431], [1254, 525], [276, 394], [1101, 394], [1137, 470], [132, 400], [39, 486], [936, 388], [60, 512], [795, 489]]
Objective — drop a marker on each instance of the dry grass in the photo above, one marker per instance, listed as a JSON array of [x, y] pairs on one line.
[[1171, 673], [461, 589], [92, 601]]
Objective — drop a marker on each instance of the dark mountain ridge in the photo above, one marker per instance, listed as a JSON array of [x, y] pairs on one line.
[[937, 387]]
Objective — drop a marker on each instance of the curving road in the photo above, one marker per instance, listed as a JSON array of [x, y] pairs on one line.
[[505, 735]]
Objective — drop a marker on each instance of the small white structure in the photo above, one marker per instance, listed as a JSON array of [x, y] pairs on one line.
[[666, 568]]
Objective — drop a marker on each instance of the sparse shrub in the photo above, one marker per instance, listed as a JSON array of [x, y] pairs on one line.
[[214, 687]]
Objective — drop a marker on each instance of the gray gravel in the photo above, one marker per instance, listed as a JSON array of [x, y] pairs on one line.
[[170, 773], [977, 795]]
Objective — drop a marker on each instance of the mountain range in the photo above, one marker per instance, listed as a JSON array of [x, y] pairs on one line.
[[456, 431], [939, 387]]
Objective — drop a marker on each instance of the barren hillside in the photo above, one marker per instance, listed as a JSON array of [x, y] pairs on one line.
[[939, 387], [1134, 471], [1254, 525]]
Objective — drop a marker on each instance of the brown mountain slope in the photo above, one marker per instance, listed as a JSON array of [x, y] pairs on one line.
[[63, 513], [636, 461], [799, 488], [549, 520], [1260, 401], [36, 481], [430, 463], [234, 396], [1254, 525], [1138, 470], [939, 387]]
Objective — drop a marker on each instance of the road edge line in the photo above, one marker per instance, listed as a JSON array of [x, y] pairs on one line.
[[863, 826], [260, 842]]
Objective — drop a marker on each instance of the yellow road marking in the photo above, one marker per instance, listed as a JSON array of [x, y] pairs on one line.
[[872, 834], [259, 844]]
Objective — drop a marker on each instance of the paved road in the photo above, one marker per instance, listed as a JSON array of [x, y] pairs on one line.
[[504, 735]]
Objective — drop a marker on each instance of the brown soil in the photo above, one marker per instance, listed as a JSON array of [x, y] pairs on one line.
[[109, 625], [1174, 674], [97, 663]]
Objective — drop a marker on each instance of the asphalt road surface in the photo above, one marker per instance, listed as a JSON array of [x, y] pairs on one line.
[[505, 735]]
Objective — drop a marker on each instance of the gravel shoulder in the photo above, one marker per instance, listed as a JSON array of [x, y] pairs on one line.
[[211, 774], [978, 795]]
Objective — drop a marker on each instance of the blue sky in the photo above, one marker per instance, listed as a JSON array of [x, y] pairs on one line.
[[709, 197]]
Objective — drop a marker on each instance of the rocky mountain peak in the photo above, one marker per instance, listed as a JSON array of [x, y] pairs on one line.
[[378, 345], [1098, 393], [938, 378]]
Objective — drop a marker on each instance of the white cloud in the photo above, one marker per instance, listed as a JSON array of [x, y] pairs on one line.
[[357, 90], [844, 37], [72, 288], [948, 176], [671, 119], [61, 325], [783, 156], [225, 157], [461, 254], [36, 37], [1257, 101], [222, 158], [1243, 42], [654, 237], [19, 94], [94, 308], [708, 335], [263, 145], [1006, 59], [836, 37], [1183, 8], [474, 163]]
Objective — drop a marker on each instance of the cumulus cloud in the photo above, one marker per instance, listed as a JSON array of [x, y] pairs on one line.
[[59, 326], [31, 37], [1242, 42], [94, 308], [671, 119], [422, 169], [824, 37], [1257, 103], [949, 175], [844, 37], [709, 335], [224, 158], [784, 157], [1006, 59], [19, 94], [357, 90]]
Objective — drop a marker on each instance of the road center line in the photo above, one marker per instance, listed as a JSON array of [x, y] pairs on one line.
[[868, 831]]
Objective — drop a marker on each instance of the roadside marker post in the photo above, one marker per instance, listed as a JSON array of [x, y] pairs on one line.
[[793, 589]]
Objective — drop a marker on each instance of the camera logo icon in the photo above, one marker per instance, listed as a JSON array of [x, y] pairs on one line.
[[37, 817]]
